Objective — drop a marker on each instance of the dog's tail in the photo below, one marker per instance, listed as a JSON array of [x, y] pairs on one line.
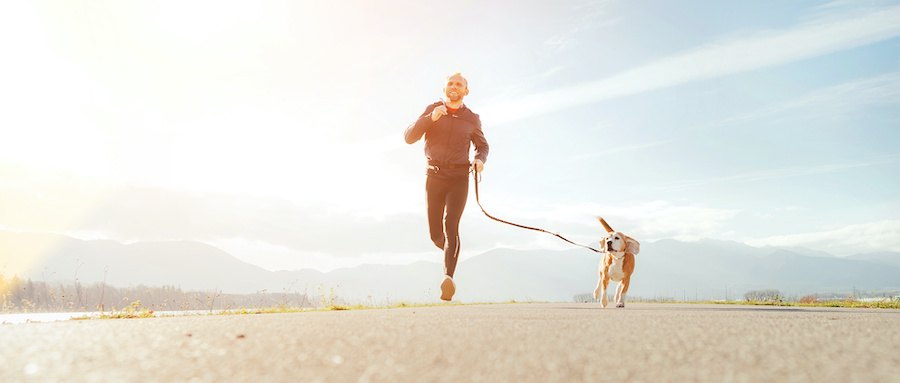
[[605, 225]]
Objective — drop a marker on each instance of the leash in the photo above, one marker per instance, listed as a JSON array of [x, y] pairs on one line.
[[478, 199]]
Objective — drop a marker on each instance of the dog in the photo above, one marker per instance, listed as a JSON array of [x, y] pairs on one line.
[[617, 264]]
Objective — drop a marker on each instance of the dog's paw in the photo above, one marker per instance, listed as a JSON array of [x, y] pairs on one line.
[[620, 305]]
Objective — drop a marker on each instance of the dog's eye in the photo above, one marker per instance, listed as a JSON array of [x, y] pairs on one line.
[[617, 237]]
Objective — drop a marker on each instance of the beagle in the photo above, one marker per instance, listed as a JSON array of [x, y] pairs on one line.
[[617, 264]]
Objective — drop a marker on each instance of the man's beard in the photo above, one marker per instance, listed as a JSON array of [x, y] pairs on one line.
[[454, 96]]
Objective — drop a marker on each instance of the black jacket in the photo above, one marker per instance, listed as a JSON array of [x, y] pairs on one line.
[[448, 139]]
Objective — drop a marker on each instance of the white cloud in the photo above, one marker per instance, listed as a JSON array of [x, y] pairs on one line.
[[662, 219], [831, 102], [46, 201], [615, 150], [847, 240], [787, 172], [275, 257], [590, 15], [769, 48], [646, 220], [277, 234]]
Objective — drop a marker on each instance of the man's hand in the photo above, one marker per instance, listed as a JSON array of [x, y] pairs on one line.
[[479, 166], [438, 112]]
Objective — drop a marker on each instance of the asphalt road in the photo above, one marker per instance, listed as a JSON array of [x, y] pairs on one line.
[[507, 342]]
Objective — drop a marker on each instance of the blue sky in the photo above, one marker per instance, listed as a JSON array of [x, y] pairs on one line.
[[273, 130]]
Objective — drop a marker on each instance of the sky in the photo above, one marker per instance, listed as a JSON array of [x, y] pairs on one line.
[[274, 129]]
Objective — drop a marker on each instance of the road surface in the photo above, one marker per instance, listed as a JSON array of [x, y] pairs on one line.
[[557, 342]]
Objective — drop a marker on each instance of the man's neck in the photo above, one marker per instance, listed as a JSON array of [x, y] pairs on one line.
[[453, 104]]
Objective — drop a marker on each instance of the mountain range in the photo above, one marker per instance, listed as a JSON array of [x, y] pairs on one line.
[[706, 269]]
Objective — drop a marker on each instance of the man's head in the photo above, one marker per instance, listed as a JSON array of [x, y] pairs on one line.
[[456, 87]]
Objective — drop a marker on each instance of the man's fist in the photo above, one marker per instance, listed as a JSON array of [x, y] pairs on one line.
[[438, 112], [479, 166]]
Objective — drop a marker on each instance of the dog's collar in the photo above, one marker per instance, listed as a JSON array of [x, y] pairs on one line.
[[617, 254]]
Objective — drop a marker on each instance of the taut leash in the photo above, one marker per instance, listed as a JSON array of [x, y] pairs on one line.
[[478, 199]]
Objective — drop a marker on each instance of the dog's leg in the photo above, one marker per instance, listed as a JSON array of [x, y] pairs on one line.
[[597, 289], [619, 288], [604, 299], [623, 287]]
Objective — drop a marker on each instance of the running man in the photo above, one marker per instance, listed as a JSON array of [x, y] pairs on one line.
[[450, 129]]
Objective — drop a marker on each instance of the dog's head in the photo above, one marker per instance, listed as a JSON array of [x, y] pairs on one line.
[[617, 241]]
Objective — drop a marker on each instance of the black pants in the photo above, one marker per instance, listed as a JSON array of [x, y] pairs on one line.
[[447, 195]]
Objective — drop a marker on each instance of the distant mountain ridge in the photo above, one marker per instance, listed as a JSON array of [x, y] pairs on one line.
[[707, 269], [885, 257]]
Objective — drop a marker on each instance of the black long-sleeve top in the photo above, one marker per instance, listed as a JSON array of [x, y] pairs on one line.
[[447, 140]]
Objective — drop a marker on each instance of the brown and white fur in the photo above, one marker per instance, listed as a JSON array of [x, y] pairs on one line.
[[617, 264]]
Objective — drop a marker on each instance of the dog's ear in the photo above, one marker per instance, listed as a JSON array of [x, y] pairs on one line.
[[605, 225], [632, 246]]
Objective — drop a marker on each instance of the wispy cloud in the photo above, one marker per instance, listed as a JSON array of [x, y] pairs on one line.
[[787, 172], [831, 102], [615, 150], [852, 4], [815, 38], [847, 240], [649, 220], [590, 15]]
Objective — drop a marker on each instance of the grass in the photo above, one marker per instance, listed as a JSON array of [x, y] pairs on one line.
[[136, 310], [847, 303], [886, 304]]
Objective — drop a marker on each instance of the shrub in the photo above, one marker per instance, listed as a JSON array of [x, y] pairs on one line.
[[763, 296]]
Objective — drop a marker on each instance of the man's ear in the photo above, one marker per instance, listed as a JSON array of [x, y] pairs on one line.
[[632, 246]]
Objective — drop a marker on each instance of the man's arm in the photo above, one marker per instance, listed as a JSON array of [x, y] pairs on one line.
[[417, 129], [481, 144]]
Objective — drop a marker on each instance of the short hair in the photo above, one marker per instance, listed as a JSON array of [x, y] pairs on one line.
[[454, 74]]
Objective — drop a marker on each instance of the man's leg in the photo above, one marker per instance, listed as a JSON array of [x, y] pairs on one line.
[[436, 191], [457, 193]]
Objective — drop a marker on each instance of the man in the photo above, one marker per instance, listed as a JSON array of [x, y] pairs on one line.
[[450, 128]]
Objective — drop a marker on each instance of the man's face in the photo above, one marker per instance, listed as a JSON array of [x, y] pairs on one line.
[[456, 88]]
